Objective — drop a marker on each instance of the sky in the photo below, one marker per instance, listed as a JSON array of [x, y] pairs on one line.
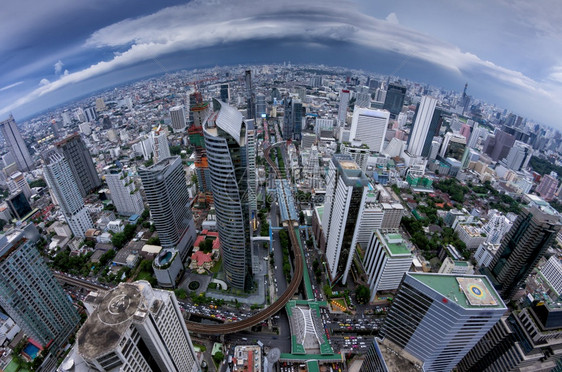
[[507, 50]]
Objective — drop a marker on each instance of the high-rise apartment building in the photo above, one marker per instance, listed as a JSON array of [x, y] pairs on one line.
[[31, 295], [15, 144], [18, 182], [522, 247], [226, 142], [345, 199], [124, 192], [422, 125], [394, 99], [438, 318], [64, 188], [369, 127], [160, 144], [345, 95], [80, 161], [548, 186], [177, 116], [386, 259], [135, 328], [166, 191]]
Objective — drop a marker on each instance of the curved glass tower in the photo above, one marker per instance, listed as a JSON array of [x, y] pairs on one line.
[[226, 144]]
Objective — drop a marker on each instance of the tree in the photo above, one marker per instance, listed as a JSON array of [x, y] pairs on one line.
[[175, 150], [206, 246], [181, 293], [153, 241], [218, 357], [119, 240], [38, 183], [362, 293]]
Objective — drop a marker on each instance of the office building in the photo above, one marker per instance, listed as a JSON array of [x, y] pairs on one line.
[[19, 205], [422, 125], [250, 96], [369, 127], [346, 191], [15, 144], [226, 143], [166, 191], [292, 119], [548, 186], [80, 162], [522, 247], [453, 146], [225, 93], [260, 105], [177, 116], [386, 259], [345, 95], [64, 188], [316, 81], [31, 296], [199, 111], [363, 100], [55, 129], [251, 166], [160, 146], [385, 356], [456, 267], [519, 156], [134, 327], [438, 318], [434, 129], [497, 146], [394, 99], [125, 194]]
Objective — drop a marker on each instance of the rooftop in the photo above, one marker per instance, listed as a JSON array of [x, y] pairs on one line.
[[467, 291], [395, 244]]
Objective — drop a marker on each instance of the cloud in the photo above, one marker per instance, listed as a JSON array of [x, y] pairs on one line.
[[10, 86], [149, 37], [392, 18], [44, 82], [58, 67]]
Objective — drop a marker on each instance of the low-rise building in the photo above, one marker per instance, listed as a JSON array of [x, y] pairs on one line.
[[456, 267], [471, 235]]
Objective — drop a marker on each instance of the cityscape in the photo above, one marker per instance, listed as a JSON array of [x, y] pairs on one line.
[[276, 216]]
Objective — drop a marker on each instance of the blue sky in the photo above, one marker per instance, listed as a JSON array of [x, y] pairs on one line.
[[507, 50]]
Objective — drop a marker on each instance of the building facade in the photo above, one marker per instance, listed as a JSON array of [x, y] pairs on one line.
[[394, 99], [16, 145], [177, 117], [422, 125], [125, 194], [369, 127]]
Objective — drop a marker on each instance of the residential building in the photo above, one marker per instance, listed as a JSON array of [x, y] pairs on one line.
[[548, 186], [471, 235], [369, 127], [125, 194], [160, 145], [386, 259], [485, 253], [424, 118], [15, 144], [177, 116], [358, 151], [519, 156], [17, 182], [438, 318], [552, 272]]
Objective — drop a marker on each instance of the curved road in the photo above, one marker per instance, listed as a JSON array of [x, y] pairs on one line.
[[275, 307]]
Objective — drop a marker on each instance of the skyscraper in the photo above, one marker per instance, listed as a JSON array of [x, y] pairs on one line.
[[168, 198], [519, 156], [260, 105], [438, 318], [64, 188], [250, 97], [177, 115], [16, 145], [200, 110], [225, 93], [369, 127], [422, 126], [498, 145], [548, 186], [160, 144], [292, 119], [522, 247], [80, 162], [226, 140], [342, 107], [124, 193], [345, 199], [136, 328], [31, 295], [394, 99]]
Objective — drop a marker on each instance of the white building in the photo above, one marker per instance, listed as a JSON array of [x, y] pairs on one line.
[[519, 156], [485, 253], [471, 235], [420, 129], [144, 147], [85, 128], [177, 115], [124, 193], [133, 328], [552, 271], [386, 259], [456, 267], [358, 151], [496, 227], [369, 127], [342, 108], [393, 213], [160, 144]]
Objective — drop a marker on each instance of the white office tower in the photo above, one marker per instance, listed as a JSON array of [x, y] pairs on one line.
[[125, 194], [15, 144], [369, 127], [342, 108], [438, 318], [321, 125], [473, 140], [401, 119], [160, 144], [134, 328], [177, 115], [345, 198], [420, 129], [64, 188], [386, 259], [519, 156], [371, 218]]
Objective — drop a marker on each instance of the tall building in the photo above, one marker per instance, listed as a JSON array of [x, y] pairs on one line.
[[124, 192], [358, 151], [422, 125], [394, 99], [438, 318], [363, 100], [18, 182], [260, 105], [386, 259], [226, 142], [177, 115], [55, 128], [15, 144], [200, 110], [251, 164], [100, 104], [31, 295], [166, 191], [160, 144], [135, 328], [369, 127], [453, 146], [250, 96], [225, 93], [345, 199], [80, 162], [64, 188], [497, 146], [522, 247], [548, 186], [345, 95], [552, 272], [519, 156], [90, 114], [292, 120]]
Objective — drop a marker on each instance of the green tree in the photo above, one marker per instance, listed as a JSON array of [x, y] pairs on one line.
[[181, 293], [119, 240], [362, 293], [218, 357], [175, 150]]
